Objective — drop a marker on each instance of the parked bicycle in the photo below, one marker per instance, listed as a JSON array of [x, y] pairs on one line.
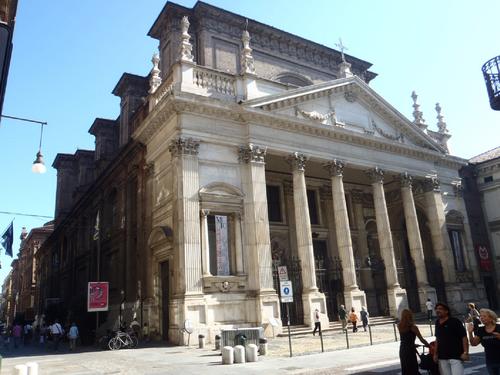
[[123, 340]]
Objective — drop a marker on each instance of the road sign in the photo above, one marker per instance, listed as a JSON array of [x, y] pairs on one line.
[[286, 291], [283, 273]]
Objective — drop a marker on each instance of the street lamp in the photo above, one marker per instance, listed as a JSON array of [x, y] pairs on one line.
[[38, 165]]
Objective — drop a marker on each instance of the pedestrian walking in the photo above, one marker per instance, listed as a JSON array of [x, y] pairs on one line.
[[364, 317], [16, 334], [452, 346], [353, 317], [489, 337], [73, 335], [317, 322], [430, 308], [408, 332], [56, 332], [28, 332], [343, 317]]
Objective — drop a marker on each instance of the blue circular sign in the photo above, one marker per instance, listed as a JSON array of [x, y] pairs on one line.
[[286, 290]]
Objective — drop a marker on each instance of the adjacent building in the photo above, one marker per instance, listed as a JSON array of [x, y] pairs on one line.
[[244, 150]]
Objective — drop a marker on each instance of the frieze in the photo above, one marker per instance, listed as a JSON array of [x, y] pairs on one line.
[[335, 168], [183, 146], [252, 153], [297, 161], [399, 138], [316, 116]]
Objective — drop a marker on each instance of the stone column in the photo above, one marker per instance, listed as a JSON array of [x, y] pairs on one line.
[[205, 246], [415, 242], [396, 295], [353, 297], [238, 245], [311, 298], [437, 226], [290, 216], [257, 239], [187, 241]]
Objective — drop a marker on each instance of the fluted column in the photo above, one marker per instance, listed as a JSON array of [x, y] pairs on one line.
[[187, 239], [396, 295], [415, 241], [205, 246], [311, 298], [303, 223], [352, 295], [437, 226], [257, 239]]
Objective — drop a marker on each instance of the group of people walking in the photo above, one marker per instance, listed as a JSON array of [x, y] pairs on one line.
[[345, 318], [453, 337], [27, 334]]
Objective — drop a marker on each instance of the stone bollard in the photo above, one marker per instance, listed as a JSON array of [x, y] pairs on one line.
[[217, 342], [263, 346], [239, 354], [201, 341], [251, 353], [32, 368], [227, 355], [21, 370]]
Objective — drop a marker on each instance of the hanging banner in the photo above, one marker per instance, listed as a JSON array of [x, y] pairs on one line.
[[97, 297], [222, 245], [484, 257]]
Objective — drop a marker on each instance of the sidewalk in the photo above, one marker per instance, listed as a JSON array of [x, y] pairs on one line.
[[175, 360]]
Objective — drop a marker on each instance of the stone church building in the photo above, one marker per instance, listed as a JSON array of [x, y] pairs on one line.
[[250, 148]]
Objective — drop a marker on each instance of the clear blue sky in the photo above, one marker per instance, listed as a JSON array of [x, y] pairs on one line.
[[68, 56]]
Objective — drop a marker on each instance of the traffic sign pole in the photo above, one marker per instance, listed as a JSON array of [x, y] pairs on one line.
[[288, 324]]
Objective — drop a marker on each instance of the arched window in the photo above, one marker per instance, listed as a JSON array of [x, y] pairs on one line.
[[294, 79]]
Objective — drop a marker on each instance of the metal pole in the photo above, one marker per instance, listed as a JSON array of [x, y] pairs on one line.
[[321, 338], [288, 324], [347, 337], [98, 271], [430, 326], [395, 334], [370, 332]]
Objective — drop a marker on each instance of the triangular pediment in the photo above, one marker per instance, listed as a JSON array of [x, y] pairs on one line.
[[348, 104]]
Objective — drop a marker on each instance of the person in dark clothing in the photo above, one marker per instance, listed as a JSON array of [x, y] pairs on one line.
[[408, 332], [364, 317], [452, 346], [489, 337], [317, 322]]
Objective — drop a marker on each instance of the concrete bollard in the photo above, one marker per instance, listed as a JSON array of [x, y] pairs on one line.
[[32, 368], [21, 370], [217, 342], [239, 354], [263, 346], [251, 353], [227, 355], [201, 341]]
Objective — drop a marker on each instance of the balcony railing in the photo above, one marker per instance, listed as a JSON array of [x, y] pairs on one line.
[[214, 81], [491, 73]]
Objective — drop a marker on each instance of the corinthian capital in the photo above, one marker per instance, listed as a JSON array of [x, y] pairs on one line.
[[406, 180], [432, 183], [252, 153], [376, 175], [297, 161], [335, 167], [183, 146]]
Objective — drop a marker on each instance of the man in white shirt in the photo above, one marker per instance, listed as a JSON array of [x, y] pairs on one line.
[[430, 308], [57, 332]]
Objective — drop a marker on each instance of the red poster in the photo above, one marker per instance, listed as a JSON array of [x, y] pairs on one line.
[[484, 258], [98, 293]]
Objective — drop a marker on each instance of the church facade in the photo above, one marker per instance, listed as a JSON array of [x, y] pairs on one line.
[[260, 149]]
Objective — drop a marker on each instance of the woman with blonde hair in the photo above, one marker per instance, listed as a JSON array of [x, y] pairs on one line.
[[408, 332], [488, 336]]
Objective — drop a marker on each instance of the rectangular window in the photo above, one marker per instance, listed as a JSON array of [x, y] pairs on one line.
[[488, 179], [219, 240], [456, 246], [273, 203], [313, 207]]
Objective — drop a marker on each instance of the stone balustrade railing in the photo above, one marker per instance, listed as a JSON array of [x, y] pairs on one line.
[[214, 81], [165, 88]]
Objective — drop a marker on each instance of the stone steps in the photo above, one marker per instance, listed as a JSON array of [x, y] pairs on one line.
[[335, 326]]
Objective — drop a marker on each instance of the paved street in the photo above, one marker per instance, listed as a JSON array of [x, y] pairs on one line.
[[378, 359]]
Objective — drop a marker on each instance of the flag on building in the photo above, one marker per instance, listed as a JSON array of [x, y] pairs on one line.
[[96, 228], [8, 238]]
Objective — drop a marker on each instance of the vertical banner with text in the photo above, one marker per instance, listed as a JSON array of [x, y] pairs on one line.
[[98, 295]]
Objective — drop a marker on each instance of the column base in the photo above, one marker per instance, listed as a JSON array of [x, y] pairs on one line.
[[267, 304], [425, 292], [312, 301], [354, 298], [397, 300]]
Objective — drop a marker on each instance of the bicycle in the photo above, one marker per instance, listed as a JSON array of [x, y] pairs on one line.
[[122, 340]]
